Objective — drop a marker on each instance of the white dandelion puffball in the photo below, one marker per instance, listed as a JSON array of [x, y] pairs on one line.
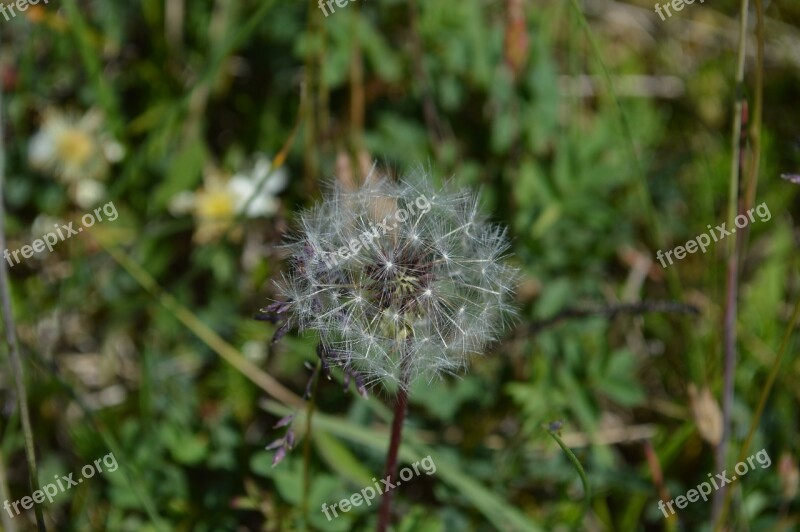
[[400, 280]]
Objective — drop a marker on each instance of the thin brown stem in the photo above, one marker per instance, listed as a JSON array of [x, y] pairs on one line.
[[612, 311], [729, 370], [732, 288], [762, 401]]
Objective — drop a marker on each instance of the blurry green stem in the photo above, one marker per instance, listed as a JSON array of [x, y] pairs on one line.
[[310, 400], [587, 493], [5, 494], [762, 401], [91, 61], [758, 111], [628, 136], [11, 338]]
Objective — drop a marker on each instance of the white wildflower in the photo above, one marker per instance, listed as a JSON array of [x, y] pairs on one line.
[[76, 151], [251, 194]]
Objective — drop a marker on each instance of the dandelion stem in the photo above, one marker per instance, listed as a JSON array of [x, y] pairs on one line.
[[400, 407]]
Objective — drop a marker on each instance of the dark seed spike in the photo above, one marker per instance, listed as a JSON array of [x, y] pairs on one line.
[[272, 312], [280, 333], [322, 354], [263, 316], [360, 386], [280, 454], [274, 445], [284, 421], [309, 384]]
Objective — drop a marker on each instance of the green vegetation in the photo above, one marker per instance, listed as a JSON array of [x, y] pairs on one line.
[[596, 132]]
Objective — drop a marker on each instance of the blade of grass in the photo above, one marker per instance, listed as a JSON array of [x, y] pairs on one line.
[[627, 135], [225, 350]]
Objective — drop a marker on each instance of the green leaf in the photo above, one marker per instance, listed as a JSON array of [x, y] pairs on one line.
[[341, 460], [186, 448], [619, 380]]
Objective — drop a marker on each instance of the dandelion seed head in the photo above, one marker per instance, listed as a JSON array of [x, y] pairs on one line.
[[399, 279]]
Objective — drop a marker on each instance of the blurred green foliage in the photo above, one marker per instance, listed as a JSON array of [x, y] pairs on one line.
[[493, 94]]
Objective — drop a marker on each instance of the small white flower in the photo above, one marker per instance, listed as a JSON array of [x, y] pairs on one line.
[[261, 185], [69, 147], [220, 200], [42, 149], [113, 150]]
